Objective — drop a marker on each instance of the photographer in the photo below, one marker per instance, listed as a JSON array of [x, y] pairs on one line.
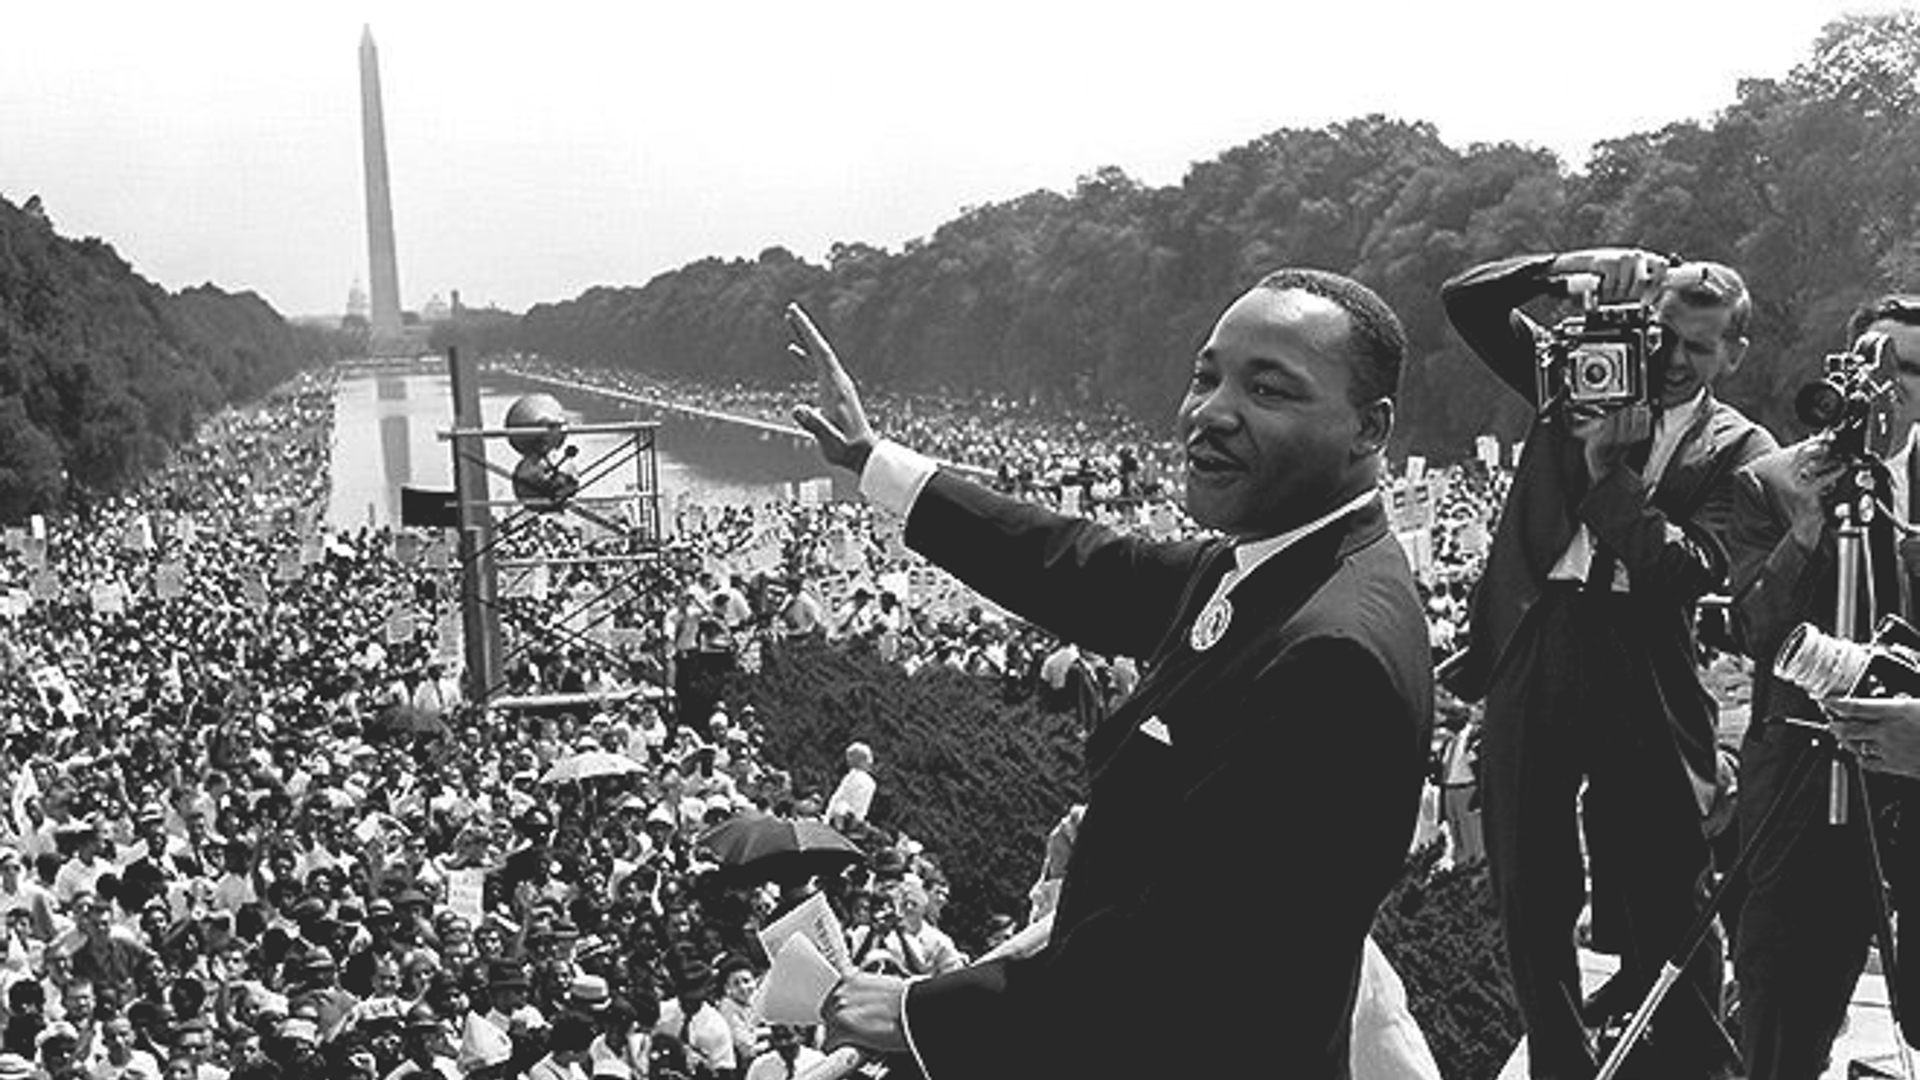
[[1581, 643], [1808, 915]]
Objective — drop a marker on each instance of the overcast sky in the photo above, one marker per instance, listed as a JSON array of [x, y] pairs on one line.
[[539, 149]]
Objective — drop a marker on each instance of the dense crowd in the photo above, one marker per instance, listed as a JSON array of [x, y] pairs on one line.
[[252, 828]]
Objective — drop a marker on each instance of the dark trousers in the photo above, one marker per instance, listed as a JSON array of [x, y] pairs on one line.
[[1808, 913], [1577, 702]]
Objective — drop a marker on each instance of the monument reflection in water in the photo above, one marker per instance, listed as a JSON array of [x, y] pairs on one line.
[[386, 434]]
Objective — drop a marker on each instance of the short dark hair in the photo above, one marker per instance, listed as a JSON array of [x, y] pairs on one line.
[[1375, 337], [1902, 308]]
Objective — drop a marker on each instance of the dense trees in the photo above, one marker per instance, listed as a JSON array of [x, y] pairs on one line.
[[101, 370], [1810, 183]]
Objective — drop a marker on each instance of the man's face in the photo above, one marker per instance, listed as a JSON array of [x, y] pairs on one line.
[[79, 1002], [1703, 352], [740, 985], [1270, 436], [1903, 352], [117, 1034]]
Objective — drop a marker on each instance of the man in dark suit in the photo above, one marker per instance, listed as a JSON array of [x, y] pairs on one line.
[[1807, 914], [1581, 642], [1288, 682]]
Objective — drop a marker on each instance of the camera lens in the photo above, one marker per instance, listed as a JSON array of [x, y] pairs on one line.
[[1819, 404]]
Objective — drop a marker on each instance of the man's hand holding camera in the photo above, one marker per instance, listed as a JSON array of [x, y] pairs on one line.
[[1626, 275], [1806, 491], [1883, 732], [1608, 436]]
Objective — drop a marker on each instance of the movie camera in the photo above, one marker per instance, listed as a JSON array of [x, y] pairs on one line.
[[1852, 400], [1607, 357]]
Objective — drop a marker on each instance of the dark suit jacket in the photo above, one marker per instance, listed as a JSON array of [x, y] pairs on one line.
[[1777, 584], [1670, 542], [1223, 881]]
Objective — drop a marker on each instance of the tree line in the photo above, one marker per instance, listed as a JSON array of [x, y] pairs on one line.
[[102, 371], [1809, 183]]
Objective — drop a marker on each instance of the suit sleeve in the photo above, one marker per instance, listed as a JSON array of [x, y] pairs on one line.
[[1483, 305], [1774, 577], [1111, 593], [1682, 557], [1310, 805]]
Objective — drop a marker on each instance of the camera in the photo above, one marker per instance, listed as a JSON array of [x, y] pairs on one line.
[[1606, 357], [1824, 665], [1852, 399]]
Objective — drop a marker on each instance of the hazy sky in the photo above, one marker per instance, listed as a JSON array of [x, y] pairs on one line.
[[538, 149]]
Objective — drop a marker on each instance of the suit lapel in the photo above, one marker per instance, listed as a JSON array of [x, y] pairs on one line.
[[1265, 600], [1693, 459]]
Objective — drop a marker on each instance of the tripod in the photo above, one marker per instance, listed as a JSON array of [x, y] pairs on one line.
[[1856, 502]]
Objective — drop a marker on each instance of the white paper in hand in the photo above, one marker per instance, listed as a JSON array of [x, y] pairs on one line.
[[796, 986], [816, 922]]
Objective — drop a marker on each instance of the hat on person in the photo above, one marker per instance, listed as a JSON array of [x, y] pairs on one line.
[[889, 863], [661, 813], [421, 1017], [589, 992], [314, 961], [58, 1031], [733, 962], [611, 1069], [15, 1067], [507, 975], [300, 1029], [9, 855], [152, 813]]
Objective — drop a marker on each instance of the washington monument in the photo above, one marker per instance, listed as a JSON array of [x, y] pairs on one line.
[[386, 330]]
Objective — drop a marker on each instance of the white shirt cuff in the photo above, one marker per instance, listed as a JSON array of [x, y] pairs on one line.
[[894, 476]]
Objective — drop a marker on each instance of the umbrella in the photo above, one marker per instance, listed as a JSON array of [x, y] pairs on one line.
[[588, 764], [764, 847]]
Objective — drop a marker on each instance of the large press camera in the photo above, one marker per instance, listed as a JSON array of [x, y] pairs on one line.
[[1606, 357], [1852, 401]]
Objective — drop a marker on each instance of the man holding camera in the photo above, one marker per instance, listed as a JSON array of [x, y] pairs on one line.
[[1581, 640], [1296, 641], [1808, 912]]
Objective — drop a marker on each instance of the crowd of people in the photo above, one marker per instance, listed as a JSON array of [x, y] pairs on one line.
[[784, 566], [225, 847], [250, 827]]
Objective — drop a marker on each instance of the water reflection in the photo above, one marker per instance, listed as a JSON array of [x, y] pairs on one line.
[[386, 434]]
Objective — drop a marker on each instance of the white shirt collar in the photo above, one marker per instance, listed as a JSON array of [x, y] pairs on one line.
[[1247, 557]]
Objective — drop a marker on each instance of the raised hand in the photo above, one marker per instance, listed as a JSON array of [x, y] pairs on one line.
[[1626, 274], [836, 422]]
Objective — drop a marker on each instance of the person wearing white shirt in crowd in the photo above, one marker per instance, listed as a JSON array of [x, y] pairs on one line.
[[787, 1056], [854, 797], [692, 1019], [79, 873], [737, 984]]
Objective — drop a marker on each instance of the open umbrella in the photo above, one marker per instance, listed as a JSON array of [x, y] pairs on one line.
[[588, 764], [767, 848]]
